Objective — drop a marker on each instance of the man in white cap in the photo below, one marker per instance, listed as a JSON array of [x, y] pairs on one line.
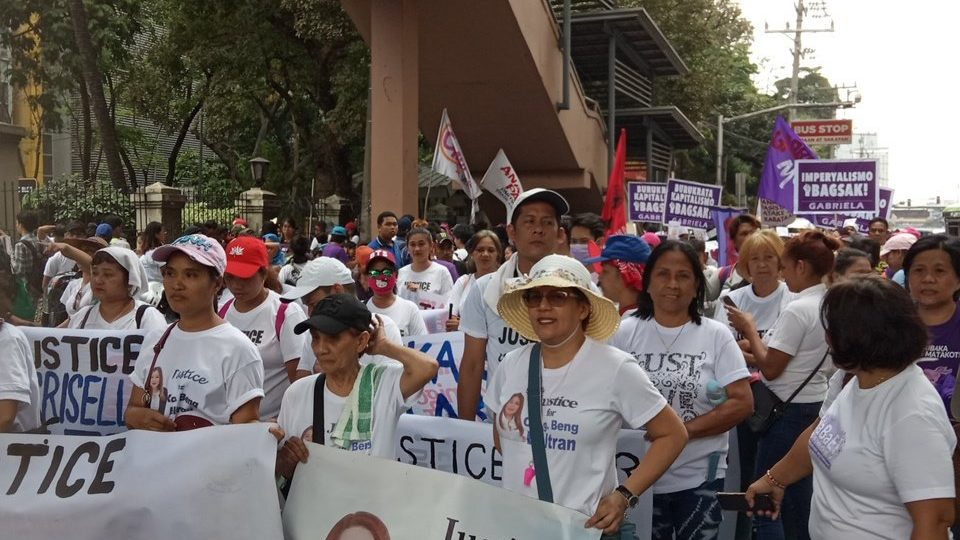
[[534, 229], [320, 278]]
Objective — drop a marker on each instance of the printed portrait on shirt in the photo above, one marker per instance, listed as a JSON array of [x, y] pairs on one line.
[[510, 419], [155, 394], [359, 526]]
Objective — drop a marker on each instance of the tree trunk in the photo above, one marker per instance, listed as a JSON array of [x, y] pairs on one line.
[[94, 78], [86, 127], [178, 144]]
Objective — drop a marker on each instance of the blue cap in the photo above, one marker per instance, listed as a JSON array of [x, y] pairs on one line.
[[270, 237], [624, 248], [339, 231], [104, 230]]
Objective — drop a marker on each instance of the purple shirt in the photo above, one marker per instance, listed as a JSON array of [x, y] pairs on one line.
[[450, 268], [942, 357], [336, 251]]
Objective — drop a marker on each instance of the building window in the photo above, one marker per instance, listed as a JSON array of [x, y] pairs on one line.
[[47, 158], [6, 89]]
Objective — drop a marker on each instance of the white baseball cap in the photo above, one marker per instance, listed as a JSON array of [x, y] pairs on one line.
[[550, 197], [320, 272]]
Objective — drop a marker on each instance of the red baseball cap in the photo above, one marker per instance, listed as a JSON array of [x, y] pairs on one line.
[[246, 255], [385, 254]]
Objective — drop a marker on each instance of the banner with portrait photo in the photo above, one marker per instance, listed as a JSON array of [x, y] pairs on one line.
[[336, 493], [84, 377], [215, 482]]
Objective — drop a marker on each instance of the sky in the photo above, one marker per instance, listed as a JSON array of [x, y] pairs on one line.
[[902, 58]]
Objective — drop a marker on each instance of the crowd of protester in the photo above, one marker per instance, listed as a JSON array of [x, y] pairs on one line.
[[831, 357]]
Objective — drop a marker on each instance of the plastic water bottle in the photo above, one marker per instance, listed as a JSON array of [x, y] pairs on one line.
[[716, 394]]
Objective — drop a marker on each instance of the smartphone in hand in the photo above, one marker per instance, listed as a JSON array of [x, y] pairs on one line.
[[737, 502], [729, 302]]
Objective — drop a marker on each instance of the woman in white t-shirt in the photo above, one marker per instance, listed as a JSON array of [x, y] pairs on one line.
[[117, 278], [764, 295], [589, 390], [382, 280], [698, 367], [19, 388], [485, 256], [211, 373], [262, 316], [792, 350], [880, 454], [423, 281], [154, 236], [342, 329]]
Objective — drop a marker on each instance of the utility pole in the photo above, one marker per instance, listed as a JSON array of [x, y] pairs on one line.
[[819, 10]]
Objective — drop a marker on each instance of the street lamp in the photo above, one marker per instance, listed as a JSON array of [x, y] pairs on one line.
[[721, 121], [258, 169]]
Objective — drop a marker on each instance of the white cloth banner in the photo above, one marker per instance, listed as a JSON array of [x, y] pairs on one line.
[[449, 161], [335, 492], [501, 179], [83, 377], [466, 448], [214, 482]]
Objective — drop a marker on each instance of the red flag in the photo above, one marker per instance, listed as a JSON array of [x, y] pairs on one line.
[[614, 207]]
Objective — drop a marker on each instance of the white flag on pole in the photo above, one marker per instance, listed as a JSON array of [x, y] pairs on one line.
[[502, 180], [448, 159]]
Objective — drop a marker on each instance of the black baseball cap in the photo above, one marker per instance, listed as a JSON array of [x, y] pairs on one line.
[[336, 313]]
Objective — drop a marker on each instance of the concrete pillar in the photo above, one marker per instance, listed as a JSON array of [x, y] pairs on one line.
[[394, 102], [159, 202], [257, 207]]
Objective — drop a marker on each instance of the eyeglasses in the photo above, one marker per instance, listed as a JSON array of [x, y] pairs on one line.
[[556, 298], [386, 272]]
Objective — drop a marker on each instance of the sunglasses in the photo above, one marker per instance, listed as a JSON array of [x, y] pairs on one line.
[[386, 272], [555, 298]]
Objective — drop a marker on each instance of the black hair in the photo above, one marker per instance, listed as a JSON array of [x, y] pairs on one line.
[[384, 215], [113, 221], [150, 233], [697, 244], [193, 229], [734, 227], [846, 257], [299, 247], [948, 244], [501, 232], [888, 333], [290, 221], [462, 232], [886, 224], [29, 220], [589, 221], [566, 223], [867, 245], [420, 230], [645, 303]]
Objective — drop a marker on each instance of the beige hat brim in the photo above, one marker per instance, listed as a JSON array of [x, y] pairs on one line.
[[603, 322]]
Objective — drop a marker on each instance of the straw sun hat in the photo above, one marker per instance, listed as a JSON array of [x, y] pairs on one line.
[[562, 272]]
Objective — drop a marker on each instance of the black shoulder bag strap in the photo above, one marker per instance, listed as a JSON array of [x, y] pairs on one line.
[[140, 312], [534, 403], [83, 323], [318, 428], [807, 380]]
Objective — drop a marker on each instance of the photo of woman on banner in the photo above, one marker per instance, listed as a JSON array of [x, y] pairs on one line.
[[359, 526], [577, 392], [215, 374], [509, 418], [157, 391], [349, 406]]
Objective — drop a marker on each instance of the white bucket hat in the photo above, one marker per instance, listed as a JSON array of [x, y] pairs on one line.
[[562, 272]]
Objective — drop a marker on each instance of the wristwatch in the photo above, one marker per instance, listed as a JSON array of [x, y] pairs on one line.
[[632, 499]]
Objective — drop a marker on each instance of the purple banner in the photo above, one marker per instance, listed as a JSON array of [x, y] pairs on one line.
[[691, 203], [646, 200], [831, 186], [778, 179], [726, 253]]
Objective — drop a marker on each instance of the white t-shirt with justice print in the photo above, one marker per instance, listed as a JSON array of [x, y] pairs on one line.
[[209, 374], [680, 362], [296, 413], [435, 280], [584, 405], [259, 324]]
